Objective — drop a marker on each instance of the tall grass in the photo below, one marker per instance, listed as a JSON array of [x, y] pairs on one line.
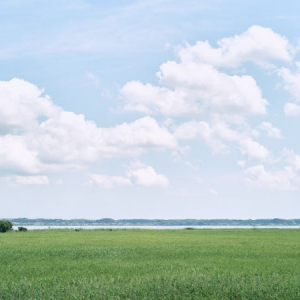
[[150, 264]]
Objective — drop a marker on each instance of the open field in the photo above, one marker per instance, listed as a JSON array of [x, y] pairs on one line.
[[150, 264]]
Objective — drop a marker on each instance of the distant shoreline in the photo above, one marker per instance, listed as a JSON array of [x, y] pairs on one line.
[[153, 222], [87, 227]]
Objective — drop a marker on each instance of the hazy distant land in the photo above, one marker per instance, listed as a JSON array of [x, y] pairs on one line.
[[154, 222]]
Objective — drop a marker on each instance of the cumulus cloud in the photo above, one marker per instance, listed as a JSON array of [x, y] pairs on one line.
[[254, 150], [21, 105], [292, 158], [258, 44], [70, 139], [291, 109], [217, 135], [215, 90], [284, 179], [195, 85], [271, 131], [16, 157], [136, 174], [291, 81], [191, 88], [150, 99], [141, 174], [37, 137], [214, 134], [109, 182]]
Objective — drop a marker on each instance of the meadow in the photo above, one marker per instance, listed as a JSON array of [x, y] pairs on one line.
[[150, 264]]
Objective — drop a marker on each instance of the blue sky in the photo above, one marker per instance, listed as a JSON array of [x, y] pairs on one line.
[[149, 109]]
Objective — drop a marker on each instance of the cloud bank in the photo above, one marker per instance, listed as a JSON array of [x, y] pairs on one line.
[[202, 95]]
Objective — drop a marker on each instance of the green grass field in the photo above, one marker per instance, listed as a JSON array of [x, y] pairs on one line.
[[150, 264]]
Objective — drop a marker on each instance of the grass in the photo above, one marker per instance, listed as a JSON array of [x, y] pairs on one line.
[[150, 264]]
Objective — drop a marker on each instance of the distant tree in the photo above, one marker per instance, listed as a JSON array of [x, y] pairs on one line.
[[22, 228], [5, 226]]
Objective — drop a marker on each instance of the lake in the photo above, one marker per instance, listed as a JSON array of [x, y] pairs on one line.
[[152, 227]]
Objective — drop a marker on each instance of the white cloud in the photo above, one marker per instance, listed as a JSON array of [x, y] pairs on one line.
[[15, 157], [218, 133], [64, 139], [141, 174], [21, 104], [212, 89], [149, 99], [292, 158], [242, 163], [70, 139], [271, 131], [214, 134], [258, 44], [142, 134], [109, 182], [285, 179], [291, 81], [136, 174], [190, 88], [291, 109], [254, 150], [37, 137], [29, 180], [194, 85]]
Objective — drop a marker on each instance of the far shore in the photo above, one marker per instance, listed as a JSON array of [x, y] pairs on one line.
[[87, 227]]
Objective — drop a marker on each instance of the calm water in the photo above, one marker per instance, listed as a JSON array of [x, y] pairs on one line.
[[153, 227]]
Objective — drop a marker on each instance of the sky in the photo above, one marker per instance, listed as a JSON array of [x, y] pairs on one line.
[[149, 109]]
